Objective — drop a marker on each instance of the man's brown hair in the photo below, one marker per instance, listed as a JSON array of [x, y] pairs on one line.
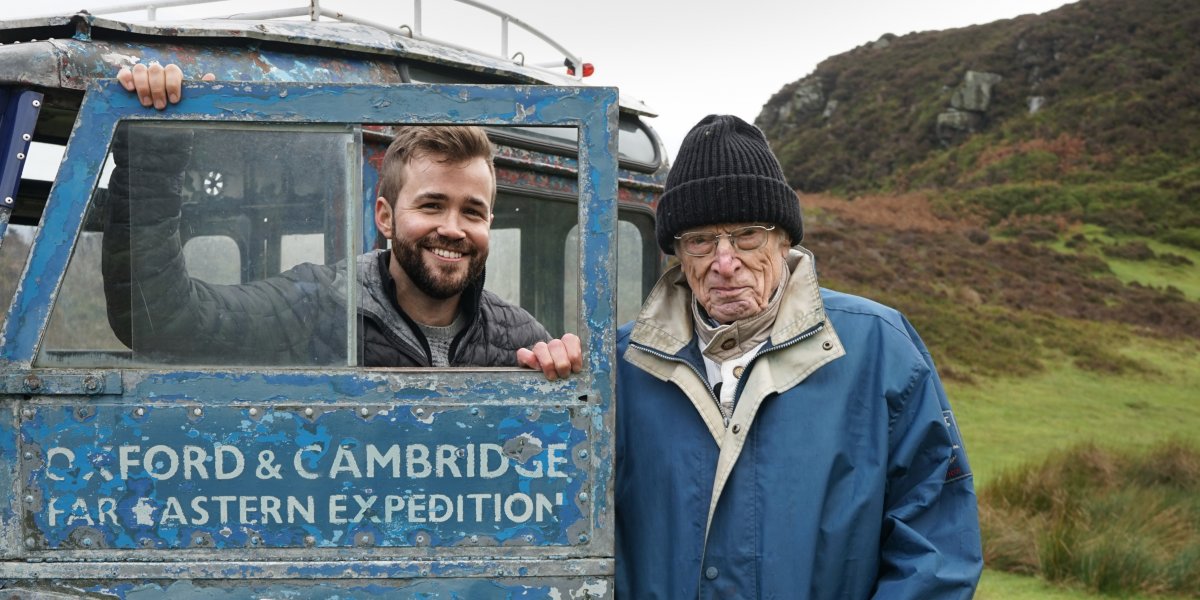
[[451, 143]]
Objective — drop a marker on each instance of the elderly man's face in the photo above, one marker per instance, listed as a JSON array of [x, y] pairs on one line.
[[733, 284]]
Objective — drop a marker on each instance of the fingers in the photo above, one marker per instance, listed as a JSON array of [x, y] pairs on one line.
[[158, 85], [125, 76], [155, 84], [556, 358], [173, 82], [141, 84], [526, 358], [574, 350]]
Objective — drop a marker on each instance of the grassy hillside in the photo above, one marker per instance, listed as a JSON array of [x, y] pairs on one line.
[[1047, 338], [1093, 117]]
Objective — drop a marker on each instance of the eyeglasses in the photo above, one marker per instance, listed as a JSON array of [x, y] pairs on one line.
[[703, 243]]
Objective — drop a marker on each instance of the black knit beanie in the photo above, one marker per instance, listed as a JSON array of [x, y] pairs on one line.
[[725, 173]]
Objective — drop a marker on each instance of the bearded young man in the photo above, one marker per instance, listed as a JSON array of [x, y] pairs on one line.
[[776, 439], [421, 302]]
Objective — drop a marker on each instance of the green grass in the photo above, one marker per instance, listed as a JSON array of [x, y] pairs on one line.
[[1007, 422], [1156, 273], [996, 585], [1013, 421], [1152, 273]]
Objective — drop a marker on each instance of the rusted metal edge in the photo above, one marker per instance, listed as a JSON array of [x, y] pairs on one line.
[[382, 569]]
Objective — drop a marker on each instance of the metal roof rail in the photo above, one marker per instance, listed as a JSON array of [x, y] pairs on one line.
[[314, 11]]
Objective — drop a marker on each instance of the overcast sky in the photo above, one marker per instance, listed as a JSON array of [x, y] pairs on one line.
[[684, 59]]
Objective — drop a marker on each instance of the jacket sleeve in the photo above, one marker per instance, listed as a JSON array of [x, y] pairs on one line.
[[930, 546], [153, 306]]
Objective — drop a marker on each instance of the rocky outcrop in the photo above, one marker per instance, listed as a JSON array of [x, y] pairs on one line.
[[968, 107], [1119, 75], [975, 93]]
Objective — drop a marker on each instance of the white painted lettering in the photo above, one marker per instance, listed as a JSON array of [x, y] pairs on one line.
[[392, 457], [224, 512], [554, 457], [525, 472], [501, 468], [526, 510], [298, 463], [447, 457], [418, 461], [336, 508], [153, 466], [306, 511], [193, 462], [416, 503], [50, 456], [269, 506], [344, 460], [391, 506], [54, 511], [244, 510], [364, 504], [446, 506], [201, 517], [173, 512], [107, 507], [544, 506], [478, 498], [80, 507], [127, 460], [239, 462]]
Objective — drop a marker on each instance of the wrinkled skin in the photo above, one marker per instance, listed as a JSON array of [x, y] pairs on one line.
[[732, 284]]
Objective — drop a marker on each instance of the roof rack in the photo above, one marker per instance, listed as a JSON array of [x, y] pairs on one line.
[[575, 66]]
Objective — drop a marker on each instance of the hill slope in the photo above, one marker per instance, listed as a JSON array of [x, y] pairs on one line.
[[1090, 112]]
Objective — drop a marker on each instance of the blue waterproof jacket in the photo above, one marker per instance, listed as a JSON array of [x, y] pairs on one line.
[[840, 475]]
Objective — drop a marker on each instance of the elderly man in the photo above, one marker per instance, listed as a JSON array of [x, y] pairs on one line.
[[776, 439]]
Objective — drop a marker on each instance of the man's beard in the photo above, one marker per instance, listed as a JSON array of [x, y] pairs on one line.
[[432, 281]]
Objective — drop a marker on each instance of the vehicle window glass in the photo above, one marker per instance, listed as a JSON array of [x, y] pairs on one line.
[[213, 258], [299, 248], [190, 209], [504, 264], [525, 263], [635, 273], [634, 143], [13, 253]]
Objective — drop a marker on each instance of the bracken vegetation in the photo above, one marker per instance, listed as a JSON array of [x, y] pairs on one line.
[[986, 304], [1115, 139], [1047, 237]]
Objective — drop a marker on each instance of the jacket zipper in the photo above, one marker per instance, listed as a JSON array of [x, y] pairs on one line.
[[814, 330], [703, 378], [727, 415]]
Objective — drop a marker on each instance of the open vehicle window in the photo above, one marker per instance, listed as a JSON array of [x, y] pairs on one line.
[[215, 244], [252, 244]]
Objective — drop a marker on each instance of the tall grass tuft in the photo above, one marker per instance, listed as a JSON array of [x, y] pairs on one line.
[[1114, 522]]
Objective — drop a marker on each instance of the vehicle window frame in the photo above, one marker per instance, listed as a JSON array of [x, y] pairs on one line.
[[497, 105]]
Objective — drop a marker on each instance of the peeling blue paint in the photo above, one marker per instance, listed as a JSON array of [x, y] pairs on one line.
[[76, 457]]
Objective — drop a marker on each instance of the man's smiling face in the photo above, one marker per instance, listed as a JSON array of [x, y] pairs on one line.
[[440, 223]]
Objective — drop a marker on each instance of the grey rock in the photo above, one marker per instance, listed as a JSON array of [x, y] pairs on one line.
[[955, 125], [975, 92]]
